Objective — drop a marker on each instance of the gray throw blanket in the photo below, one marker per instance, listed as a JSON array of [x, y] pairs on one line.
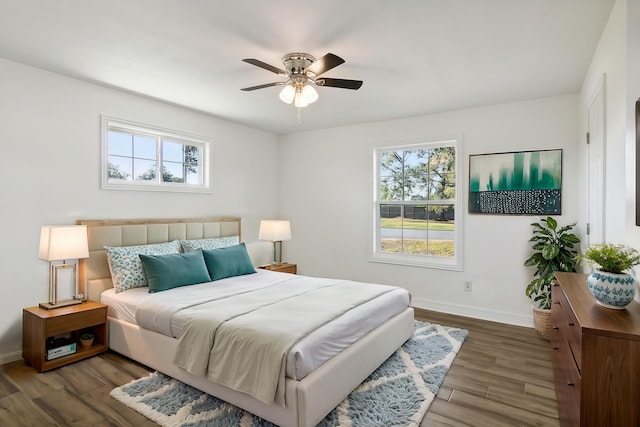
[[242, 341]]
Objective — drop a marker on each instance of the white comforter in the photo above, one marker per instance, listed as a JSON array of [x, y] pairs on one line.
[[242, 341], [168, 312]]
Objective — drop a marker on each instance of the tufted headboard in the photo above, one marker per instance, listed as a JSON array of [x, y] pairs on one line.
[[94, 276]]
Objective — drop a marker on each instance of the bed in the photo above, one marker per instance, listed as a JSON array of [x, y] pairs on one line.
[[307, 397]]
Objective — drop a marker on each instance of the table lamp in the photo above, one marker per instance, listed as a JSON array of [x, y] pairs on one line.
[[275, 231], [62, 243]]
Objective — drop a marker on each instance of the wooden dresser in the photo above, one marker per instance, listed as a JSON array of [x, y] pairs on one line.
[[596, 357]]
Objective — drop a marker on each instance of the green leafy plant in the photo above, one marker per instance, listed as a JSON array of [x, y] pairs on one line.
[[610, 257], [554, 251], [86, 336]]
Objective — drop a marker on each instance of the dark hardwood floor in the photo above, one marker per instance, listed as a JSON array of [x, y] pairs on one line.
[[502, 376]]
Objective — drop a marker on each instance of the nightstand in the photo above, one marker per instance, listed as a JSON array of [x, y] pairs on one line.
[[40, 326], [281, 267]]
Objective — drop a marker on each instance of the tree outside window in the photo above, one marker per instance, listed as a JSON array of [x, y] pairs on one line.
[[416, 202], [143, 157]]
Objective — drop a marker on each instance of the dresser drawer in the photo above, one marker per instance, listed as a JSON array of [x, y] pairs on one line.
[[559, 317], [567, 384], [565, 324], [565, 362], [61, 324]]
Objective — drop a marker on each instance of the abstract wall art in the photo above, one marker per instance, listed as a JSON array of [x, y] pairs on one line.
[[516, 183]]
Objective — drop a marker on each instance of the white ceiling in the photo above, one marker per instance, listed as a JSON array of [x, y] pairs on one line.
[[415, 56]]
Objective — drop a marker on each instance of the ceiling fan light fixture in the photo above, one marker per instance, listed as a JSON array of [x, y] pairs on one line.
[[300, 100], [287, 94], [309, 94], [303, 71]]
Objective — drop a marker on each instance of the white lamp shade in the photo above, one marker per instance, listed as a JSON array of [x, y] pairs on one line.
[[60, 242], [299, 101], [274, 230], [309, 94], [287, 94]]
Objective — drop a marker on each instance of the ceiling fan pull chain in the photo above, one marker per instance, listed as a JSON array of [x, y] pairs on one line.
[[299, 116]]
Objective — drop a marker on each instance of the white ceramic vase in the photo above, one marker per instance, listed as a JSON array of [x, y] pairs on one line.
[[612, 290]]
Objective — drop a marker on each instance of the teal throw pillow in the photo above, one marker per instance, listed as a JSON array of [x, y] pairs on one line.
[[166, 272], [228, 262]]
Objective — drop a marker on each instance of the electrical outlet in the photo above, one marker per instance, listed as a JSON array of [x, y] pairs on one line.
[[468, 286]]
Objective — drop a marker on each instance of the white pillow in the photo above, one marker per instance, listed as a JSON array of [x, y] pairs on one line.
[[126, 267], [214, 243]]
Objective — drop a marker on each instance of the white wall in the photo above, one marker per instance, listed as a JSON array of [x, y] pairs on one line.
[[50, 174], [326, 188], [609, 60], [617, 56]]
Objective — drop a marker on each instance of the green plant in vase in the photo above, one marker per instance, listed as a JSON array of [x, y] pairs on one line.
[[610, 257], [609, 282], [554, 251], [86, 339]]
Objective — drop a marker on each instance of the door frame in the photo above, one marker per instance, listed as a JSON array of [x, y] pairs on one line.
[[600, 90]]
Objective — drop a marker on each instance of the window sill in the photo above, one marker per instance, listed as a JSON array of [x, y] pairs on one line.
[[151, 187], [414, 261]]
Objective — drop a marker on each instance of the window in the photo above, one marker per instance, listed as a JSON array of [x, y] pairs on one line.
[[140, 157], [416, 205]]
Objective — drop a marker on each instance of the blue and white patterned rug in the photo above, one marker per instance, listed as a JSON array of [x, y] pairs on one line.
[[398, 393]]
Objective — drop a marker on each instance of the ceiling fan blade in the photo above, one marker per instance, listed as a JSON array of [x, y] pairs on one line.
[[341, 83], [262, 86], [324, 64], [264, 65]]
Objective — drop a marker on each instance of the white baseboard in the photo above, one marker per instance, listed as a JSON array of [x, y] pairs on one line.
[[474, 312], [10, 357]]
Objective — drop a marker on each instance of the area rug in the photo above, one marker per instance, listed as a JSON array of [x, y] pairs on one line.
[[398, 393]]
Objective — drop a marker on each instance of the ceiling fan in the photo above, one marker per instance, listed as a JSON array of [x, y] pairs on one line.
[[303, 72]]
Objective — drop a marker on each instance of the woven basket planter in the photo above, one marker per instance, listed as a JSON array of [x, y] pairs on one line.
[[542, 322]]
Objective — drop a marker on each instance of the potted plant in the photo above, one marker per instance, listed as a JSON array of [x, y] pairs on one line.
[[554, 251], [86, 339], [609, 282]]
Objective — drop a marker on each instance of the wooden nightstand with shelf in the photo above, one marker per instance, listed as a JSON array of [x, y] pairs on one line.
[[281, 267], [39, 326]]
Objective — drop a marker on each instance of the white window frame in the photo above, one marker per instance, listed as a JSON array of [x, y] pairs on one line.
[[376, 254], [159, 134]]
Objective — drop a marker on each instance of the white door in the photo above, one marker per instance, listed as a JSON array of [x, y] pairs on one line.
[[596, 161]]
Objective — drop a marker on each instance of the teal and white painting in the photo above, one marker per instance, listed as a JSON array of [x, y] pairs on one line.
[[516, 183]]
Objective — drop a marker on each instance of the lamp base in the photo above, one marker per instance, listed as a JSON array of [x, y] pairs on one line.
[[59, 304]]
